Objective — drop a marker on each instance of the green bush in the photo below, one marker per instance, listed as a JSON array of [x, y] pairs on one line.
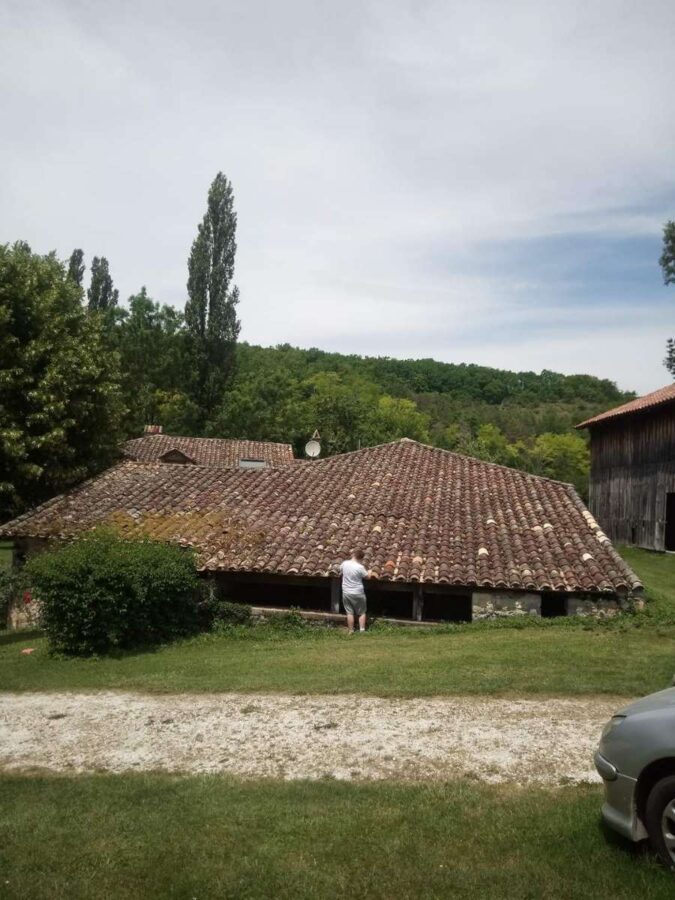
[[101, 593], [290, 621], [8, 584], [226, 613]]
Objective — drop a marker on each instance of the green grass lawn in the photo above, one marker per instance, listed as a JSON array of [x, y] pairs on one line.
[[656, 570], [129, 836], [161, 836], [560, 657]]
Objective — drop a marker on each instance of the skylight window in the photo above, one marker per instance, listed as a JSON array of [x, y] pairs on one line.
[[252, 464]]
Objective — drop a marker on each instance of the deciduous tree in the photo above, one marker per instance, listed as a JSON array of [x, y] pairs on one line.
[[60, 405], [151, 344]]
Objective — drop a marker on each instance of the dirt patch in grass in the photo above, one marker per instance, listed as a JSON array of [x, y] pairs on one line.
[[547, 741]]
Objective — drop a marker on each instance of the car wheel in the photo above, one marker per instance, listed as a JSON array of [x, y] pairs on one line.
[[660, 820]]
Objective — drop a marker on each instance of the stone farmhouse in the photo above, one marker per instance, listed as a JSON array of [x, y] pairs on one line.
[[632, 485], [446, 537]]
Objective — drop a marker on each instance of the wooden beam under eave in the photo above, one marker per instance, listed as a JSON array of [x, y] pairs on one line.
[[335, 594], [418, 602]]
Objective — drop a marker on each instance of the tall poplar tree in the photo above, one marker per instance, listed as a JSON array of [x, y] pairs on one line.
[[102, 296], [211, 308], [76, 267]]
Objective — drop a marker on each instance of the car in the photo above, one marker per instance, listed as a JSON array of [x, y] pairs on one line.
[[636, 760]]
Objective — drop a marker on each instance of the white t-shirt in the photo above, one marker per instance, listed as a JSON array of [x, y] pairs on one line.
[[353, 574]]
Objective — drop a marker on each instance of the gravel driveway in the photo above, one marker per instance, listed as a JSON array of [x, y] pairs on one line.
[[347, 737]]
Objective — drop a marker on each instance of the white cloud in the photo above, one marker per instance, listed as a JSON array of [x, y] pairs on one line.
[[371, 146]]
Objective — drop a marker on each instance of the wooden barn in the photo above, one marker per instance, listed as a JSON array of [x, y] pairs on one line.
[[632, 484]]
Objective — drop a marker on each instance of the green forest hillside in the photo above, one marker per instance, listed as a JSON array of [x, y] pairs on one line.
[[521, 419]]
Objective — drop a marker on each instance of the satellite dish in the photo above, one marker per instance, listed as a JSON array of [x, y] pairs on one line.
[[312, 448]]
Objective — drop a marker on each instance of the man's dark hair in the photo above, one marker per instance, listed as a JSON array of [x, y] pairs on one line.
[[358, 555]]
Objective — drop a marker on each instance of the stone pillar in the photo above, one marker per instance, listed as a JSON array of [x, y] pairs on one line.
[[418, 603], [335, 594], [498, 604]]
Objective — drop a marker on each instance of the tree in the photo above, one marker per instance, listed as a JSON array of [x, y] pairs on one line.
[[669, 361], [263, 406], [491, 445], [60, 405], [395, 418], [667, 263], [211, 308], [102, 296], [667, 260], [564, 457], [342, 409], [76, 267], [151, 343]]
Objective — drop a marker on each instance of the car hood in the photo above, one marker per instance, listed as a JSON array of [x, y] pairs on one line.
[[660, 700]]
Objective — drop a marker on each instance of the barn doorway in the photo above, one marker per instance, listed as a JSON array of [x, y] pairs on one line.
[[670, 522]]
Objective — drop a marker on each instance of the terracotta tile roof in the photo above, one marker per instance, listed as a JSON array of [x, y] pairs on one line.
[[207, 451], [656, 398], [420, 514]]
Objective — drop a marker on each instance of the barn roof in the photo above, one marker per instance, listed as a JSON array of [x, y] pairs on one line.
[[221, 452], [640, 404], [420, 514]]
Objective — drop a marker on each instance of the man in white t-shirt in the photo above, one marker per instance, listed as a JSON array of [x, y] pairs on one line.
[[353, 573]]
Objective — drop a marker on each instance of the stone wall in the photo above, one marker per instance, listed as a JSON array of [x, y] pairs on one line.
[[600, 607], [498, 604], [23, 612]]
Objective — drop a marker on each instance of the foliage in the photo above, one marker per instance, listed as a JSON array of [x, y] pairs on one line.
[[412, 377], [290, 622], [154, 365], [224, 612], [284, 393], [669, 361], [9, 580], [349, 411], [76, 267], [102, 296], [210, 312], [102, 593], [667, 260], [564, 457], [667, 263], [60, 404]]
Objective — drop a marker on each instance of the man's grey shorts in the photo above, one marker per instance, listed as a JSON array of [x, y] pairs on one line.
[[354, 604]]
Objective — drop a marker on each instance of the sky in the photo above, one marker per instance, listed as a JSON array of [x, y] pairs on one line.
[[478, 181]]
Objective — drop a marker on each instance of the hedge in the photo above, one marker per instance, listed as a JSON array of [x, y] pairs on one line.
[[101, 593]]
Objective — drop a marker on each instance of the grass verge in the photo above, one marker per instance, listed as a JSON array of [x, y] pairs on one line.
[[629, 656], [162, 836]]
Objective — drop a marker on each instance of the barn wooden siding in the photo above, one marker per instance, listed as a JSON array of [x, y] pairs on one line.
[[632, 472]]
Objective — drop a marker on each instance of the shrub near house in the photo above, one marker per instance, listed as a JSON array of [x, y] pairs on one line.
[[100, 593]]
